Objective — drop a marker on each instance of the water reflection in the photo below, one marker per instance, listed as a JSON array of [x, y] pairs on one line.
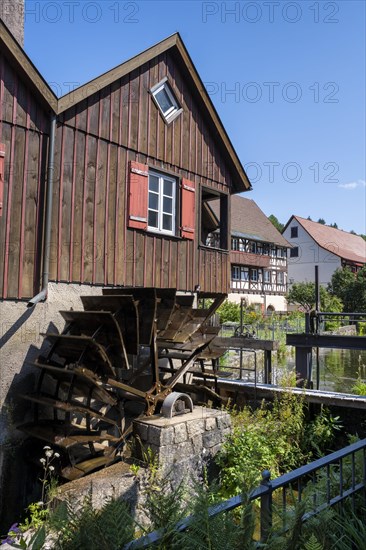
[[339, 368]]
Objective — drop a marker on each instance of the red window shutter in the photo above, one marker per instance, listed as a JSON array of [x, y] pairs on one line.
[[2, 177], [137, 195], [188, 209]]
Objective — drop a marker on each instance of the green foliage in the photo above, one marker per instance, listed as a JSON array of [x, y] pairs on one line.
[[313, 544], [319, 433], [262, 439], [350, 288], [304, 295], [229, 311], [37, 514], [359, 388], [278, 225], [278, 439], [227, 531], [90, 529]]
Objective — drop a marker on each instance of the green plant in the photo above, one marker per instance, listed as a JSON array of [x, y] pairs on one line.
[[86, 528], [320, 432], [359, 388], [38, 512], [262, 439], [135, 468]]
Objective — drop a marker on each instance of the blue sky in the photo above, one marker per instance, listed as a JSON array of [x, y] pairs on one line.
[[287, 79]]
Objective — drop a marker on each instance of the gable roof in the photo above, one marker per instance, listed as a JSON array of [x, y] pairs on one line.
[[175, 44], [248, 221], [345, 245], [25, 68]]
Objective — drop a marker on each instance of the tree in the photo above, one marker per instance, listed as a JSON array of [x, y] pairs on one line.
[[278, 225], [304, 295], [334, 225], [350, 288], [321, 220], [340, 281]]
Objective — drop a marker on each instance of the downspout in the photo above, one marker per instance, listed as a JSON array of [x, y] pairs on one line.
[[42, 295]]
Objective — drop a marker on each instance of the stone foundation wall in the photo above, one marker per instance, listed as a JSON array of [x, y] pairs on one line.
[[20, 344], [184, 444]]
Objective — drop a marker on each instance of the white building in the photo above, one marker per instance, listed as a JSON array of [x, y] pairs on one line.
[[317, 244]]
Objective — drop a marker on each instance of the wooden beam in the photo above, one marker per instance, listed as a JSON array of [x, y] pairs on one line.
[[245, 343], [326, 341]]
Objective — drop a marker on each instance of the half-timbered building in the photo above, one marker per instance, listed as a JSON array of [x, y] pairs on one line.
[[258, 257]]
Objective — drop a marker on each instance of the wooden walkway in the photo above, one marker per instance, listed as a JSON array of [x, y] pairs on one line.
[[263, 391]]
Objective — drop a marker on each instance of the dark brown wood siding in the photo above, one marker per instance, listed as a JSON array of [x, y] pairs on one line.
[[24, 128], [96, 139]]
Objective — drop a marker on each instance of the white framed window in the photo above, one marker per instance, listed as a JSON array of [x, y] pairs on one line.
[[280, 278], [166, 101], [235, 273], [235, 243], [267, 276], [161, 206], [254, 275]]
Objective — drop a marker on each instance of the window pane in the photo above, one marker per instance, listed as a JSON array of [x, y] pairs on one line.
[[164, 100], [153, 183], [168, 188], [153, 201], [167, 205], [153, 219], [167, 222]]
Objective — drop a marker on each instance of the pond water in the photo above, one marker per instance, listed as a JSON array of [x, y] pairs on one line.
[[339, 368]]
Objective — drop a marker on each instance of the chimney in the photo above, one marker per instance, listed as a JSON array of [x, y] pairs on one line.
[[12, 13]]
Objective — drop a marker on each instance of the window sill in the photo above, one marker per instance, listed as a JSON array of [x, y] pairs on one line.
[[214, 249]]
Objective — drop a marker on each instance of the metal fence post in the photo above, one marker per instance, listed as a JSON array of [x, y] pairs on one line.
[[266, 506]]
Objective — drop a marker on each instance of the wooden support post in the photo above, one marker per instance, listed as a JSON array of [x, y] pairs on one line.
[[303, 359], [267, 366]]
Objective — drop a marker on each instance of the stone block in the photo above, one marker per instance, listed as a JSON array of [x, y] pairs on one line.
[[197, 443], [210, 423], [223, 421], [210, 439], [141, 430], [195, 427], [215, 449], [180, 433]]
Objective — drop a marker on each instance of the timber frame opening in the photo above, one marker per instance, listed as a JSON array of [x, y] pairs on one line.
[[214, 227]]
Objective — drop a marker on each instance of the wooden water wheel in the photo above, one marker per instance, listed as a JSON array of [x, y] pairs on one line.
[[104, 370]]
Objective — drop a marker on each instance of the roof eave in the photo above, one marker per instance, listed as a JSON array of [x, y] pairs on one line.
[[26, 68]]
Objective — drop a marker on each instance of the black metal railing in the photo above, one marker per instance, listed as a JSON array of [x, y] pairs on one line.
[[323, 483]]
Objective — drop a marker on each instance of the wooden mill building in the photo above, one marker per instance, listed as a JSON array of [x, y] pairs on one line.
[[109, 185], [138, 155]]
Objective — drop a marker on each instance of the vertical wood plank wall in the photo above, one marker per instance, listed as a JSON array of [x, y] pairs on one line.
[[24, 129], [96, 139]]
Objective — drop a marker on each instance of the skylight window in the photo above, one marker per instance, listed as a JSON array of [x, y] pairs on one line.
[[166, 101]]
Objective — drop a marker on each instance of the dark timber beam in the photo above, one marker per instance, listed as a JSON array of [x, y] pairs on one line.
[[326, 341]]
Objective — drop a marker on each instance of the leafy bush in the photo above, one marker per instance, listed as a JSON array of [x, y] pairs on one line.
[[278, 439]]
